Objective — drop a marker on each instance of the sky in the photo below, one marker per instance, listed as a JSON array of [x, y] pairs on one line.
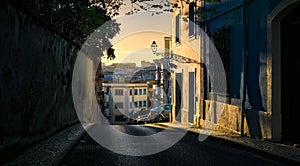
[[137, 32]]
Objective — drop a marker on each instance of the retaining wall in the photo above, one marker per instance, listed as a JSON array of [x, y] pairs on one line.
[[36, 66]]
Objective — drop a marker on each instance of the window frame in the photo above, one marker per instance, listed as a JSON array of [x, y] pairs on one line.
[[192, 19], [119, 92], [177, 28]]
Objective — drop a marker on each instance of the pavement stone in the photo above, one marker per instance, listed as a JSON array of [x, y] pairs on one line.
[[285, 153], [52, 150]]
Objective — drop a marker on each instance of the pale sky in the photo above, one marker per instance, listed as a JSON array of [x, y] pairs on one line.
[[137, 32]]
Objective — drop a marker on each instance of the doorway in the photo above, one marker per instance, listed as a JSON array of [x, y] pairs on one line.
[[178, 89], [191, 108], [290, 70]]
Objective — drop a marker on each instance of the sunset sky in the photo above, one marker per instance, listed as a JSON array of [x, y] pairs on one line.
[[137, 32]]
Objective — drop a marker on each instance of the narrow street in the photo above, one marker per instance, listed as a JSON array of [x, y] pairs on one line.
[[149, 82], [188, 151]]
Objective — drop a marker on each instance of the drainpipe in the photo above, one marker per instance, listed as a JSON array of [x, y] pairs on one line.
[[244, 57], [205, 81]]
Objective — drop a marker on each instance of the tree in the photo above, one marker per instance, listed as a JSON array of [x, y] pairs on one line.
[[77, 19], [152, 6], [160, 6], [110, 6]]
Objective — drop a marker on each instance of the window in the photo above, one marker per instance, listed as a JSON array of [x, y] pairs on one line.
[[136, 104], [140, 91], [130, 92], [168, 43], [145, 91], [140, 103], [145, 103], [192, 19], [135, 92], [177, 26], [119, 92], [119, 105], [221, 40]]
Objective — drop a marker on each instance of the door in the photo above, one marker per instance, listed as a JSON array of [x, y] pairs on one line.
[[178, 81], [290, 62], [191, 109]]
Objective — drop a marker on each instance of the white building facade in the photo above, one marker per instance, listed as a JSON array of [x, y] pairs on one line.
[[123, 100]]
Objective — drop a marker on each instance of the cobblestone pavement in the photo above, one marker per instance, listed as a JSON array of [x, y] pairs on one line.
[[51, 150], [289, 154]]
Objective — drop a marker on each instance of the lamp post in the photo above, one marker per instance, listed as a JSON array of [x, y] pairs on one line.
[[157, 68], [154, 47], [163, 90], [157, 76], [162, 77]]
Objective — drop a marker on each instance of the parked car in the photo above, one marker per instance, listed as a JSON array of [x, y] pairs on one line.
[[157, 114], [142, 118], [161, 113]]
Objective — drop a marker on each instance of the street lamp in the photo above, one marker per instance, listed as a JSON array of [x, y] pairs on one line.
[[154, 47], [156, 99]]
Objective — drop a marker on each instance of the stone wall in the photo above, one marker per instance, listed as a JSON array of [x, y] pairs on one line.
[[228, 118], [36, 66]]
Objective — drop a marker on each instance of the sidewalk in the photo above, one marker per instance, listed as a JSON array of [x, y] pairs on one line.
[[52, 150], [276, 151]]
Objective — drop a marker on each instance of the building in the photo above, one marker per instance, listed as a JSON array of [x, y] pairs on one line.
[[146, 63], [187, 81], [257, 42], [118, 72], [125, 65], [123, 100]]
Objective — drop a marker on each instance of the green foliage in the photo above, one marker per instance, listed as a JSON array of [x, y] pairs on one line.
[[111, 53], [77, 19], [151, 6], [156, 7]]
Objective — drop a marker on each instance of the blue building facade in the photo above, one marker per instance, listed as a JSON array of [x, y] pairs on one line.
[[257, 41]]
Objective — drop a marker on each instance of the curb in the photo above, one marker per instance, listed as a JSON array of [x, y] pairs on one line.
[[266, 154], [59, 157]]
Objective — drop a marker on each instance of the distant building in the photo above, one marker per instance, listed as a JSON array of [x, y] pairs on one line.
[[124, 100], [145, 63], [124, 64], [118, 72], [128, 89]]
